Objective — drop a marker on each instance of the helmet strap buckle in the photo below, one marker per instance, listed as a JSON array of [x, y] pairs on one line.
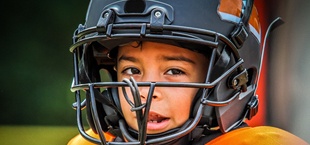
[[238, 80]]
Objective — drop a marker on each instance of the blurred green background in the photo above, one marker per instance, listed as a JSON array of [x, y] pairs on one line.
[[36, 71]]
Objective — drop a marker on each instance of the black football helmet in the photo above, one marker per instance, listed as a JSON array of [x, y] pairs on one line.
[[228, 30]]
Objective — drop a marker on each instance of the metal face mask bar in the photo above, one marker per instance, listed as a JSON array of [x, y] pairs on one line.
[[137, 106]]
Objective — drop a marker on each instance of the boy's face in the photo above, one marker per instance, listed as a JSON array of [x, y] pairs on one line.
[[158, 62]]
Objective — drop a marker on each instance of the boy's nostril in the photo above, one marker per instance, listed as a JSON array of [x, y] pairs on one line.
[[142, 96]]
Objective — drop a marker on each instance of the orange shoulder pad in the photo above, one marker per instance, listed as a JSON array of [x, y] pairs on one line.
[[261, 135], [79, 140]]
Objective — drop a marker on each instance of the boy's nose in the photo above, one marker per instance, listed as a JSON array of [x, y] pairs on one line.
[[145, 91], [151, 75]]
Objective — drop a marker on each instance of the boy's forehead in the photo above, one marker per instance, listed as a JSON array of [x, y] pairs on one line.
[[152, 48], [149, 45], [170, 44], [158, 51], [197, 48]]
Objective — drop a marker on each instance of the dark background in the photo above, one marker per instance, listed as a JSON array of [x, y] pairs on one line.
[[36, 65]]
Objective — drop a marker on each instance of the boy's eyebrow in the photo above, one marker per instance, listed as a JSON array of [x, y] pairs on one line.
[[127, 58], [179, 58], [167, 58]]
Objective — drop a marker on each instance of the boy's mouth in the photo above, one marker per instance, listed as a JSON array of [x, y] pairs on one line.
[[156, 121], [155, 118]]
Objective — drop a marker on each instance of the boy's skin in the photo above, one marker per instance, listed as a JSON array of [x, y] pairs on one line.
[[159, 62]]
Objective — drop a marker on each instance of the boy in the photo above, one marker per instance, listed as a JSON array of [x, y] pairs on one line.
[[175, 79]]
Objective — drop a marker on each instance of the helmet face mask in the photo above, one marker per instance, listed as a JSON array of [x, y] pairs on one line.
[[233, 49]]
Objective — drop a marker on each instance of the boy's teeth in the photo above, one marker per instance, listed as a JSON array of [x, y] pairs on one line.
[[155, 118], [153, 121]]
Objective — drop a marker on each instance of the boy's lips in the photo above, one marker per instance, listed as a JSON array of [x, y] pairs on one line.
[[156, 121]]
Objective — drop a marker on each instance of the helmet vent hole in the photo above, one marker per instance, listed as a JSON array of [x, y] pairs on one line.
[[134, 6]]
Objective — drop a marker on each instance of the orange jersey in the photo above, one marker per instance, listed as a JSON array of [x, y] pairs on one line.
[[79, 140], [262, 135]]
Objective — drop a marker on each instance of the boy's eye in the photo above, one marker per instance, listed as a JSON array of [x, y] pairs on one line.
[[174, 72], [131, 71]]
